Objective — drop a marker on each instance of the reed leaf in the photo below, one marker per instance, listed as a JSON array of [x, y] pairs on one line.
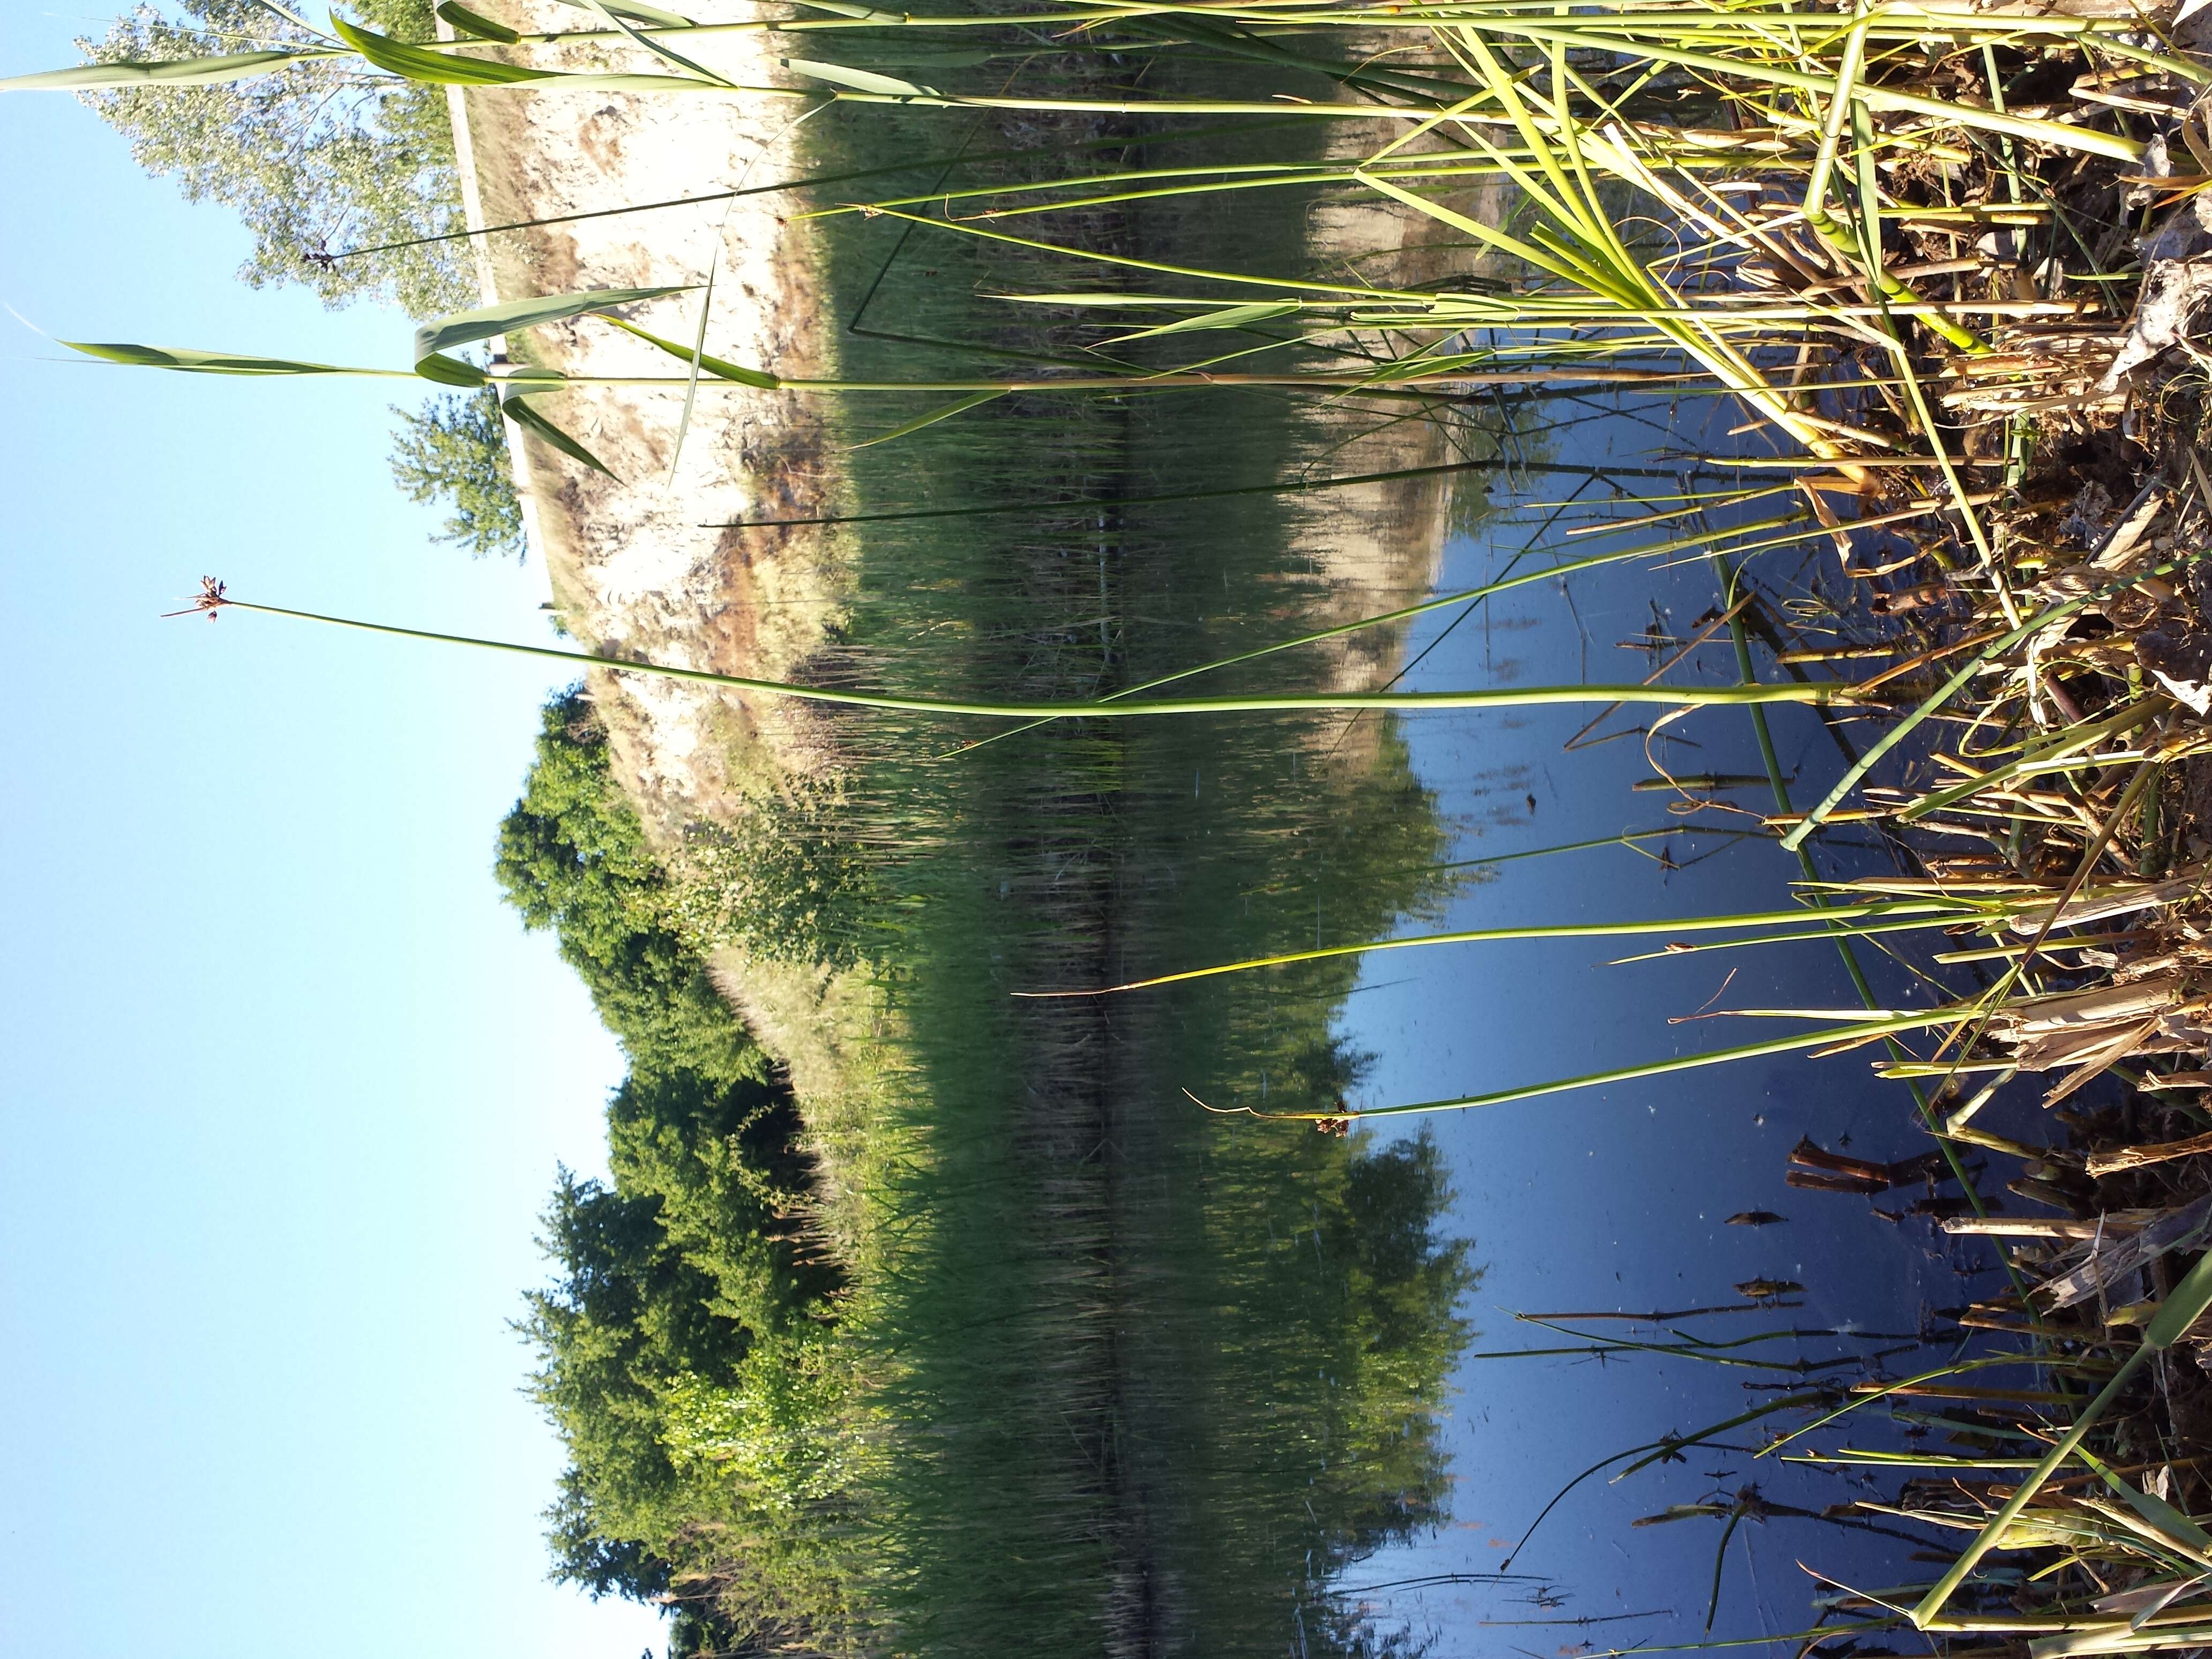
[[651, 15], [1942, 695], [720, 368], [959, 406], [1951, 112], [1835, 1036], [2181, 1310], [188, 361], [1259, 310], [658, 48], [467, 23], [512, 404], [858, 80], [439, 68], [425, 65], [442, 334], [169, 72]]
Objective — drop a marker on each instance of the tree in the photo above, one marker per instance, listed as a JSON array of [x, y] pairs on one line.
[[455, 451], [572, 857], [686, 1349], [686, 1359], [318, 158]]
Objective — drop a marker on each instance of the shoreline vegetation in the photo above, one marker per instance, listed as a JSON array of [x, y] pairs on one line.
[[1194, 267]]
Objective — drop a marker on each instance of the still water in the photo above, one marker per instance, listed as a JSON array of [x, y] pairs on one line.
[[1617, 1197], [1234, 1369]]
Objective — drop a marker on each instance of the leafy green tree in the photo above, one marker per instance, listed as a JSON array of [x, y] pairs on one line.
[[318, 158], [685, 1350], [455, 451], [572, 857], [686, 1359]]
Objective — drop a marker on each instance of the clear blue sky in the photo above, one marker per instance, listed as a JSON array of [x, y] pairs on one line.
[[285, 1083]]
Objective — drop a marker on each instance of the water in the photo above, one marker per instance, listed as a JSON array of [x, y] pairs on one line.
[[1617, 1197], [1211, 1249], [1150, 1368]]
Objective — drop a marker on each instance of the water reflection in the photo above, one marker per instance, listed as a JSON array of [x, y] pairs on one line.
[[1160, 1374]]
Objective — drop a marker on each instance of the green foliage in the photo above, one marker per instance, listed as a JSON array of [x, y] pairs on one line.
[[685, 1347], [572, 857], [455, 452], [317, 158], [685, 1359], [774, 882], [1093, 1337], [1392, 1340]]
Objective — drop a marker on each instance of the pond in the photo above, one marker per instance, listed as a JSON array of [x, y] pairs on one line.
[[1161, 1328], [1168, 1376], [1187, 804]]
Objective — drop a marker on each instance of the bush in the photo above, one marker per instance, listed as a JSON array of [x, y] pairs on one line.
[[774, 883]]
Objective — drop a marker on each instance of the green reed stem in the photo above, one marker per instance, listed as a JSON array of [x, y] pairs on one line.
[[1835, 1036], [1799, 937], [1290, 486], [1958, 681], [1932, 914], [2176, 1314], [1520, 697], [1406, 613]]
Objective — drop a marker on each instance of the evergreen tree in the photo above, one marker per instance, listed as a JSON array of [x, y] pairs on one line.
[[455, 451]]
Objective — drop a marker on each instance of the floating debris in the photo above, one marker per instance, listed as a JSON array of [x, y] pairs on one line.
[[1766, 1290]]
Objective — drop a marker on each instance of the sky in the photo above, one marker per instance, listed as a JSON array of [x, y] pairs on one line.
[[285, 1083]]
